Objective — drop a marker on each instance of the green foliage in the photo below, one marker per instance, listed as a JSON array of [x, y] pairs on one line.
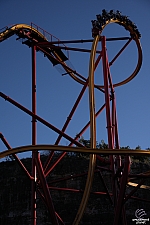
[[140, 158], [126, 147], [103, 145], [87, 144]]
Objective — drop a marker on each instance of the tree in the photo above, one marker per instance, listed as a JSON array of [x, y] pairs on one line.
[[87, 144]]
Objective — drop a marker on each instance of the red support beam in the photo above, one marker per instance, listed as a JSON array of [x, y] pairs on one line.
[[66, 48], [46, 191], [34, 153], [69, 70], [108, 113], [114, 136], [55, 129], [16, 157], [71, 114], [107, 95], [134, 190], [120, 200], [80, 41], [43, 199], [67, 122], [106, 189], [76, 138], [72, 111], [119, 53]]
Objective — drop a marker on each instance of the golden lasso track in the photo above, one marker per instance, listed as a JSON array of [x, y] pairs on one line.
[[27, 148], [37, 37], [135, 37], [92, 163], [91, 151], [92, 134], [8, 32], [135, 72]]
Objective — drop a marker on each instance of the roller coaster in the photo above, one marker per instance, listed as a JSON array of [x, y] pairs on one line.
[[118, 162]]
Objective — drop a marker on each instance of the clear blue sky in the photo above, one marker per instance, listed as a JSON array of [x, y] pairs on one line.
[[69, 20]]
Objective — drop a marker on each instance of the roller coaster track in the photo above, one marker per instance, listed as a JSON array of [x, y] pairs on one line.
[[33, 37], [28, 148]]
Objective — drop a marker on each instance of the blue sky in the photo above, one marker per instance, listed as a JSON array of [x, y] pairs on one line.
[[56, 94]]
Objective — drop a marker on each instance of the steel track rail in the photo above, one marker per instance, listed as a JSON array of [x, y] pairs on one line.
[[28, 148], [92, 161], [14, 30]]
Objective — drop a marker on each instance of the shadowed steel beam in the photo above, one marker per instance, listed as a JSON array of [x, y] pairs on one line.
[[119, 206], [108, 113], [140, 199], [106, 189], [134, 190], [34, 153], [46, 191], [115, 138]]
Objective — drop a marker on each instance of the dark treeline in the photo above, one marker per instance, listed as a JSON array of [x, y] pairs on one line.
[[103, 145]]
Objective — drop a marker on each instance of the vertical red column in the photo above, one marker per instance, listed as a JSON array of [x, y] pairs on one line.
[[107, 95], [34, 153], [108, 113]]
